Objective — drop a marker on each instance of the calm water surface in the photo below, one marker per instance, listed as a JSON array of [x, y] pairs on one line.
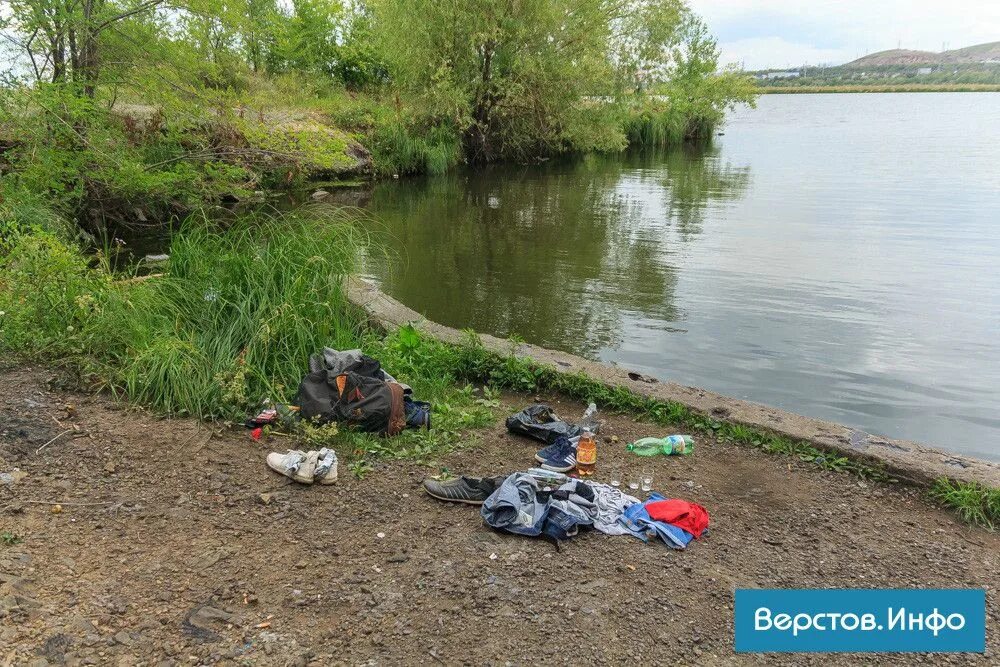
[[833, 255]]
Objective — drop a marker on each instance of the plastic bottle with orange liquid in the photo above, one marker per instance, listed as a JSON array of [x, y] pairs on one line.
[[586, 454]]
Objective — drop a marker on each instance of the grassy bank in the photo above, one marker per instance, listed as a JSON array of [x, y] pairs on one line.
[[230, 321], [901, 88]]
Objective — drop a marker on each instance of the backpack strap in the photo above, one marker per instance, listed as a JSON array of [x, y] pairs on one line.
[[397, 411]]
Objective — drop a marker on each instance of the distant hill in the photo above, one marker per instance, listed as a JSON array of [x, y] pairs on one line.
[[980, 53]]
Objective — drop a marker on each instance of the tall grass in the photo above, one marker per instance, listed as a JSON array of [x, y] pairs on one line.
[[660, 124], [22, 209], [399, 149], [975, 503], [233, 319]]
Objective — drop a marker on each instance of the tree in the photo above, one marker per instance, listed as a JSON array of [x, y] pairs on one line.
[[697, 90], [645, 34], [259, 29], [507, 74], [308, 39], [517, 78], [61, 38]]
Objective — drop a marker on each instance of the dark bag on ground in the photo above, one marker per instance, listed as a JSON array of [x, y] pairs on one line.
[[538, 421], [364, 403]]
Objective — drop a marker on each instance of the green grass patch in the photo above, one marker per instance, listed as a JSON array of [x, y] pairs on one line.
[[459, 409], [975, 504], [9, 538]]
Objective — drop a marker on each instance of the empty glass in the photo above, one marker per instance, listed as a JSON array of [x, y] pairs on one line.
[[615, 475], [646, 480], [633, 485]]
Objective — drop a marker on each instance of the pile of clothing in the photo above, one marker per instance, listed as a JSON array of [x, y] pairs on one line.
[[539, 502], [674, 521]]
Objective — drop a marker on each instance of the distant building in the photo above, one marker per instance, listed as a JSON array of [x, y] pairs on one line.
[[791, 74], [924, 70]]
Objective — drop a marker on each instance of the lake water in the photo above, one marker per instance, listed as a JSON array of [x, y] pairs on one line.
[[833, 255]]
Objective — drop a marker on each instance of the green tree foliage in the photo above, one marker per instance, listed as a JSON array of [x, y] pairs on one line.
[[520, 78], [61, 39], [308, 38], [133, 110], [510, 76]]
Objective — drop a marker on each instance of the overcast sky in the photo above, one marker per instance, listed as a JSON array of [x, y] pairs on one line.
[[780, 33]]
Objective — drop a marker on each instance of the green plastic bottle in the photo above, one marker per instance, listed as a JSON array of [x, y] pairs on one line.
[[672, 444]]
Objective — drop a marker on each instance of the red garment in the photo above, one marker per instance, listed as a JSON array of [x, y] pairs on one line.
[[691, 517]]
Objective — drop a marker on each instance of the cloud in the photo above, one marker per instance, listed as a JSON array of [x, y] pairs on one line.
[[793, 32]]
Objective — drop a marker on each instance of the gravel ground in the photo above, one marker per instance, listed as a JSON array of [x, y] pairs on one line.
[[165, 552]]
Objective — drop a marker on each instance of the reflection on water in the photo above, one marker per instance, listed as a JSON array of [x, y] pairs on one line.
[[833, 255], [557, 254]]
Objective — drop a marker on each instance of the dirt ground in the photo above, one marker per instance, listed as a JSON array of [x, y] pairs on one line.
[[165, 553]]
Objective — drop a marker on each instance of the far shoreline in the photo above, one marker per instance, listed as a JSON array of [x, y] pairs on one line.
[[905, 88]]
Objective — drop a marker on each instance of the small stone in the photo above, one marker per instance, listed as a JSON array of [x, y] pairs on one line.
[[380, 535], [56, 509], [398, 558], [123, 638], [265, 498], [110, 468], [12, 477], [206, 617]]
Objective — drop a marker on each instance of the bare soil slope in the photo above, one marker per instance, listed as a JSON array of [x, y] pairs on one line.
[[166, 553]]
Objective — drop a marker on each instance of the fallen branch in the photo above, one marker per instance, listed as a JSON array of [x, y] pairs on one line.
[[69, 430], [138, 279], [63, 502]]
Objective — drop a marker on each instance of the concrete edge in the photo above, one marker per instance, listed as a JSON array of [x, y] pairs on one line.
[[906, 460]]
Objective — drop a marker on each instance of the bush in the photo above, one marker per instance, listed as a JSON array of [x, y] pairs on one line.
[[47, 295]]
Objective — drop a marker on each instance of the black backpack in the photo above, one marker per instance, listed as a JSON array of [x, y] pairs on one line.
[[358, 401]]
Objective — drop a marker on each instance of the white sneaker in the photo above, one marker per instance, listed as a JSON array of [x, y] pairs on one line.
[[306, 473], [294, 464], [326, 467]]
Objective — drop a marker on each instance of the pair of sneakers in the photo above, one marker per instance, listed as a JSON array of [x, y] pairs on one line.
[[318, 467], [560, 456]]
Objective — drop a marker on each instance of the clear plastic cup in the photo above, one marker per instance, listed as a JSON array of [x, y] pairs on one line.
[[646, 480]]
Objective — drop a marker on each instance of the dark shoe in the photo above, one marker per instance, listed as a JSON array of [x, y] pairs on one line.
[[560, 456], [471, 490]]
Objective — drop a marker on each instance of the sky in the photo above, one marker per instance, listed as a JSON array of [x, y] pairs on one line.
[[783, 33]]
